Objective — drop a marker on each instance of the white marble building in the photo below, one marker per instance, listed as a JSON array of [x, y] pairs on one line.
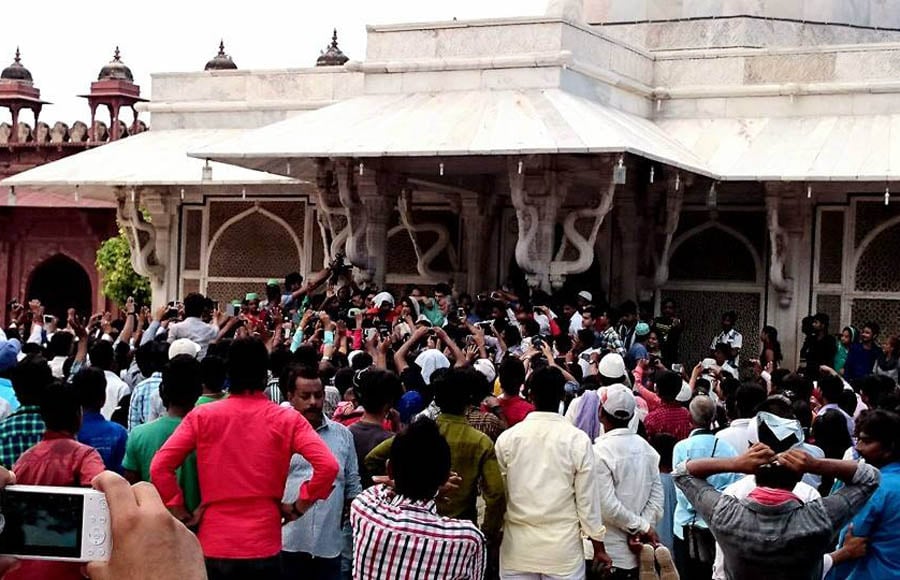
[[732, 154]]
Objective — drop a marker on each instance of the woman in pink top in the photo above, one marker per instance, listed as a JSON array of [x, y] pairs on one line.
[[244, 445]]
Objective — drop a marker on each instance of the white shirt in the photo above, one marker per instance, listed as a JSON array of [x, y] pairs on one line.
[[116, 388], [737, 435], [741, 489], [732, 338], [575, 324], [56, 366], [553, 495], [631, 493], [196, 330]]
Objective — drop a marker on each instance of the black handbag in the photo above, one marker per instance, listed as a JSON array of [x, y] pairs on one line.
[[701, 545]]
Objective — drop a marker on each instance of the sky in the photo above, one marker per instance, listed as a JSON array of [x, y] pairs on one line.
[[76, 39]]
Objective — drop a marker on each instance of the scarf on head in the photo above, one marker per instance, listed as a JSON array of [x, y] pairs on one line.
[[588, 417]]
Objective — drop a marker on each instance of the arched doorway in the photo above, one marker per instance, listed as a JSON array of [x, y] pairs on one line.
[[61, 283]]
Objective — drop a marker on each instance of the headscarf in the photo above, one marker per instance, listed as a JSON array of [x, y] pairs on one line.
[[588, 417], [430, 360]]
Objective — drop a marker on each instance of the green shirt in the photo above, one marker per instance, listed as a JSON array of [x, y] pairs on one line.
[[208, 399], [472, 457], [143, 443]]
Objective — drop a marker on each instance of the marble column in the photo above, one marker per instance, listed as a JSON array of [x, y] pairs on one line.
[[477, 212]]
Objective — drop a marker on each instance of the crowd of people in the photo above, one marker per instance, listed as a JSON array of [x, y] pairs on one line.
[[327, 431]]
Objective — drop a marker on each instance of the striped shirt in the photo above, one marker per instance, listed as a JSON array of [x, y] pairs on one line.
[[396, 538]]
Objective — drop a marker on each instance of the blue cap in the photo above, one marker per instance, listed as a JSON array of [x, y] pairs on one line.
[[9, 353]]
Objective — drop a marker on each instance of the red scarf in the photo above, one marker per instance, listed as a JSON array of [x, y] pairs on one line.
[[771, 496]]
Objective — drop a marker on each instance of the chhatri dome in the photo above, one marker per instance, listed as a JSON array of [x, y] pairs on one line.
[[221, 61], [15, 71], [332, 56], [115, 70]]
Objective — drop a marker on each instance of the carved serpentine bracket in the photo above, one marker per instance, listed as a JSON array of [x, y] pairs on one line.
[[424, 258], [674, 200], [559, 268], [536, 217], [334, 236], [779, 248], [355, 245], [142, 238]]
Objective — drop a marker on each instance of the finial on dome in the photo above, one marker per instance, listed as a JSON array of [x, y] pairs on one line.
[[332, 56], [221, 61]]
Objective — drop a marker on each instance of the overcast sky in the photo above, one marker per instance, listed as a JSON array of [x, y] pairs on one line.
[[67, 43]]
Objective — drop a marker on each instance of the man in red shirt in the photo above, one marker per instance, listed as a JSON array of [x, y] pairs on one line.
[[513, 406], [57, 460], [244, 445], [670, 417]]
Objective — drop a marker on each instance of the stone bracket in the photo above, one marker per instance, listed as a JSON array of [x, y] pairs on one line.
[[559, 269], [424, 258], [145, 256]]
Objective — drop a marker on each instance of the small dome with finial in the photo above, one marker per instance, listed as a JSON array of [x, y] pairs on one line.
[[15, 71], [221, 61], [115, 70], [332, 56]]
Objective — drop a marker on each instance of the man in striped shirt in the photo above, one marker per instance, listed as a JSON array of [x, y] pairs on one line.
[[397, 533]]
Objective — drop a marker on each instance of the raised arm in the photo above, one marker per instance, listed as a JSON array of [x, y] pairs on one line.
[[400, 355]]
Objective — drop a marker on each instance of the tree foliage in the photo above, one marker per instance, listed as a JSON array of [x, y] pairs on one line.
[[119, 279]]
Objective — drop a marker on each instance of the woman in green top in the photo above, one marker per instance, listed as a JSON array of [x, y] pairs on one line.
[[848, 336]]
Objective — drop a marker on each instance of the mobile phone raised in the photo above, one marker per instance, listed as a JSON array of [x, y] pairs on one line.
[[54, 523]]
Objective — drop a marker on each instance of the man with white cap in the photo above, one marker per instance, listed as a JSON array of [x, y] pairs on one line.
[[631, 493]]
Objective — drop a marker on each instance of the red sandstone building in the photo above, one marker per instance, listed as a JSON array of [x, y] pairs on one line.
[[49, 242]]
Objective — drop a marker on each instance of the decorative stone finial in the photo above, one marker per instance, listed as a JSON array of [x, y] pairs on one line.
[[15, 71], [221, 61], [332, 56], [116, 69]]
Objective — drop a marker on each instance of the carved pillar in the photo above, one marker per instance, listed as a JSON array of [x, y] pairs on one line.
[[477, 212], [627, 222]]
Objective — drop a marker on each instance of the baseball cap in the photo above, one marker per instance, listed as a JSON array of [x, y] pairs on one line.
[[381, 298], [486, 367], [586, 295], [612, 366], [273, 282], [422, 319], [619, 401], [642, 329], [251, 296], [183, 346], [9, 352]]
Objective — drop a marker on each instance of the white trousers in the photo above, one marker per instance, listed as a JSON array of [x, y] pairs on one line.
[[513, 575]]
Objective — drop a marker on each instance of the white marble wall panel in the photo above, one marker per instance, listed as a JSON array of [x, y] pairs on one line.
[[885, 13], [457, 80], [874, 65], [857, 12], [630, 11], [379, 84], [870, 104], [781, 68], [699, 71], [199, 86], [516, 78], [401, 44], [285, 85]]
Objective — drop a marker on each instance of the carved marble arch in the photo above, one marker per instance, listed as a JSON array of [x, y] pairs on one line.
[[254, 243], [714, 251], [874, 264]]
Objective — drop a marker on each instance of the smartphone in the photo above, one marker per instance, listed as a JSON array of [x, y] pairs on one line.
[[48, 319], [54, 523], [235, 309], [461, 313], [677, 368], [370, 333], [215, 304]]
